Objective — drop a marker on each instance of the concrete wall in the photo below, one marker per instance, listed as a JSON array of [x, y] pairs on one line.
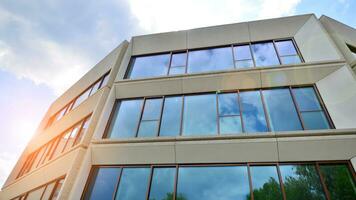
[[338, 91]]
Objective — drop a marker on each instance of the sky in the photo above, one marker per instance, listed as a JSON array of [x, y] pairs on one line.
[[47, 45]]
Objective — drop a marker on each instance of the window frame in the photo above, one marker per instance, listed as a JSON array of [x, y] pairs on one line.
[[216, 93], [231, 45], [248, 165]]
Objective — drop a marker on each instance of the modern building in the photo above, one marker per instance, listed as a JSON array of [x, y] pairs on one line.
[[254, 110]]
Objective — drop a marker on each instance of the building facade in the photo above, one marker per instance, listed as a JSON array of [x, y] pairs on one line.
[[255, 110]]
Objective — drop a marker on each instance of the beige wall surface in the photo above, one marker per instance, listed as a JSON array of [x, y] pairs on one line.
[[338, 91], [341, 34]]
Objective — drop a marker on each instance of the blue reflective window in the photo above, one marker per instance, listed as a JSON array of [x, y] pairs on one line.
[[178, 63], [243, 58], [287, 52], [200, 114], [133, 184], [150, 118], [171, 116], [211, 183], [339, 181], [229, 113], [210, 60], [281, 110], [253, 113], [103, 183], [125, 120], [162, 184], [301, 182], [265, 183], [149, 66], [312, 114], [264, 54]]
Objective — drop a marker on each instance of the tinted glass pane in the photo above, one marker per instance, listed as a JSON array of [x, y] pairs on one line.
[[61, 144], [211, 183], [105, 80], [306, 99], [125, 120], [301, 182], [252, 112], [152, 109], [200, 115], [244, 64], [265, 183], [242, 52], [315, 120], [179, 59], [339, 181], [171, 116], [81, 98], [133, 184], [265, 54], [148, 129], [286, 48], [230, 125], [281, 110], [290, 60], [95, 87], [103, 183], [176, 70], [162, 184], [72, 137], [48, 191], [57, 189], [149, 66], [82, 131], [228, 104], [210, 60], [36, 194]]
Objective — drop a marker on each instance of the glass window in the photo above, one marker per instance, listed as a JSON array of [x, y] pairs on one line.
[[243, 58], [61, 142], [35, 194], [287, 52], [49, 151], [252, 112], [265, 183], [95, 88], [339, 181], [301, 182], [149, 66], [133, 184], [162, 184], [81, 98], [264, 54], [48, 191], [281, 110], [39, 155], [229, 113], [228, 183], [72, 137], [150, 118], [178, 63], [82, 131], [57, 189], [105, 80], [171, 116], [312, 114], [126, 118], [199, 116], [102, 184], [210, 60]]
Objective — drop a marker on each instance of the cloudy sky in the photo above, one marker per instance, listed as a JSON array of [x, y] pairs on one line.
[[47, 45]]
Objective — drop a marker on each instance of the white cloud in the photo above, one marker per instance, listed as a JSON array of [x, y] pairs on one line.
[[164, 15], [48, 62]]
